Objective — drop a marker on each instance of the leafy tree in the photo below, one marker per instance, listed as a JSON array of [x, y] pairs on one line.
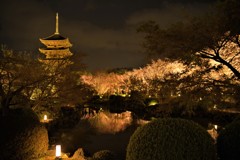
[[206, 37], [25, 80], [202, 91], [64, 86], [106, 83], [18, 73]]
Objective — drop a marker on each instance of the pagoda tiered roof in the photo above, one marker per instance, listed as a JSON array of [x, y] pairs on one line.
[[56, 41], [56, 46], [53, 53], [55, 37]]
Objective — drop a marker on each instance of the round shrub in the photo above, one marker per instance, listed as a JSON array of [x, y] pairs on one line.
[[171, 139], [103, 155], [22, 137], [117, 103], [228, 142], [27, 115]]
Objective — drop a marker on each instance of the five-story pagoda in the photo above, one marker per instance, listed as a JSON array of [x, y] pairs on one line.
[[56, 46]]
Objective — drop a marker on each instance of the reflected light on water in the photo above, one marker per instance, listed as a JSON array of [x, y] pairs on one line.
[[106, 122]]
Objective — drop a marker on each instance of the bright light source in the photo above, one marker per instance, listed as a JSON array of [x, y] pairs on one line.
[[152, 103], [58, 150], [45, 117], [123, 95], [215, 127], [215, 106]]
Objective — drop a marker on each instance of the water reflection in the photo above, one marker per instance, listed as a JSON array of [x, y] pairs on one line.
[[102, 130], [106, 122]]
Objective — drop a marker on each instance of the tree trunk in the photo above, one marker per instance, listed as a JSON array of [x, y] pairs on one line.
[[234, 70], [5, 106]]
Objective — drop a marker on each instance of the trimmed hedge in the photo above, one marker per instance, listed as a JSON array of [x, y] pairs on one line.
[[22, 137], [228, 142], [171, 139], [103, 155]]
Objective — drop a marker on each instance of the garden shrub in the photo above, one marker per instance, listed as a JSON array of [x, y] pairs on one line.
[[95, 101], [171, 139], [135, 103], [22, 137], [151, 101], [228, 142], [223, 117], [68, 118], [160, 110], [26, 115], [117, 104], [103, 155]]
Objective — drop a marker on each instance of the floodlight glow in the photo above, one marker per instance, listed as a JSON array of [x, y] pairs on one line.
[[45, 117], [58, 150]]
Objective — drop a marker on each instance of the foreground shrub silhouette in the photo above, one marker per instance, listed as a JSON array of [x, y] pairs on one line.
[[103, 155], [171, 139], [22, 136], [228, 142]]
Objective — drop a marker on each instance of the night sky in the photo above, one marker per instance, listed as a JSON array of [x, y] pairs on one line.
[[103, 30]]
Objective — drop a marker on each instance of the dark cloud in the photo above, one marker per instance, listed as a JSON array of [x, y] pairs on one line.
[[105, 31]]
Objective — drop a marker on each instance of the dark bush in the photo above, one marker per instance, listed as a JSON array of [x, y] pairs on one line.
[[29, 116], [222, 117], [22, 137], [151, 101], [171, 139], [96, 101], [160, 110], [103, 155], [228, 142], [117, 104], [135, 103], [68, 118]]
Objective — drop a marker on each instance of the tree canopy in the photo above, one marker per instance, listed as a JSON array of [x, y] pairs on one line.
[[197, 38], [25, 81]]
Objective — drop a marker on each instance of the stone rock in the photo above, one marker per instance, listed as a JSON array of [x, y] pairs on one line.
[[78, 155]]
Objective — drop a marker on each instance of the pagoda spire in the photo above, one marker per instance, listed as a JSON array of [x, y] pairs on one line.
[[56, 47], [57, 27]]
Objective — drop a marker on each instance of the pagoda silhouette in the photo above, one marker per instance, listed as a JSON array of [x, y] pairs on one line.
[[57, 47]]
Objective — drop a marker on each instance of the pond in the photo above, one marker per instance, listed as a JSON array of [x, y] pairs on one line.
[[101, 131], [105, 131]]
